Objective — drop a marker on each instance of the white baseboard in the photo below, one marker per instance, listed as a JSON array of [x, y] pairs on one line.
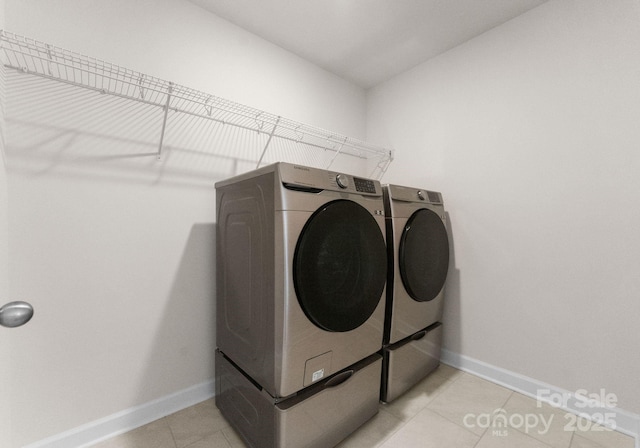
[[625, 422], [128, 419]]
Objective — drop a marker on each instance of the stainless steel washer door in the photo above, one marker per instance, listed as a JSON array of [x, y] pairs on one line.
[[340, 266]]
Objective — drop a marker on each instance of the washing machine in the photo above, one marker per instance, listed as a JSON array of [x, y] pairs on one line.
[[418, 255], [301, 275]]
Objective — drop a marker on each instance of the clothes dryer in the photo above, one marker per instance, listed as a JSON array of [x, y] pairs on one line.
[[418, 254], [301, 273]]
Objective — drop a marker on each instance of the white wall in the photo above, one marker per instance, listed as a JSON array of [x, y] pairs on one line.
[[180, 42], [114, 249], [5, 414], [4, 289], [531, 132]]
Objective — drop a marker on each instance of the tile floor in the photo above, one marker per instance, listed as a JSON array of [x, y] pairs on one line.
[[449, 409]]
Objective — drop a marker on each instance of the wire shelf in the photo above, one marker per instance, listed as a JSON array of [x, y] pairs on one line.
[[41, 59]]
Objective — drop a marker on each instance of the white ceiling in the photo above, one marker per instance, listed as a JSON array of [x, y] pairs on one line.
[[367, 41]]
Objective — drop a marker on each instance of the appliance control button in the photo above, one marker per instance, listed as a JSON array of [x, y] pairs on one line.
[[342, 181]]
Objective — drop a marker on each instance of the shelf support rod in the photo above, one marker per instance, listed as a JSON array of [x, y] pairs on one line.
[[337, 152], [164, 119], [268, 141]]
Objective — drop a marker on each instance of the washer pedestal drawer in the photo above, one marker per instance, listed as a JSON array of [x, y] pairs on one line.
[[319, 416], [408, 361]]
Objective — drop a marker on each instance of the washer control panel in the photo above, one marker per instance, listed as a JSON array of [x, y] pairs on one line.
[[364, 185], [352, 184], [315, 180]]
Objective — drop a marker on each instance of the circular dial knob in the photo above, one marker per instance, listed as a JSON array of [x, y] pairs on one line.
[[342, 181], [420, 195]]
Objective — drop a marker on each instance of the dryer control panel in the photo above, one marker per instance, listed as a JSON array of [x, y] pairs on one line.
[[409, 194]]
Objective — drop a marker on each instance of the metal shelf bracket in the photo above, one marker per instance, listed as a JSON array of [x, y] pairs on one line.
[[164, 118]]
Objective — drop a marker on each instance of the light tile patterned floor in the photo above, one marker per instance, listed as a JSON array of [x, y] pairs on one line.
[[449, 409]]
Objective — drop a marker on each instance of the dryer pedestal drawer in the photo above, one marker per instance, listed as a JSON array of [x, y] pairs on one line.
[[319, 416], [410, 360]]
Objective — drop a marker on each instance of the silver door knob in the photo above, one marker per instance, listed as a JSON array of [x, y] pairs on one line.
[[14, 314]]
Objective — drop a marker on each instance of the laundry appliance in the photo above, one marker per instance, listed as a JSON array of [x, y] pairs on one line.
[[418, 254], [301, 274]]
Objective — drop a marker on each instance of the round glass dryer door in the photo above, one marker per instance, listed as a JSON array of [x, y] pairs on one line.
[[423, 257], [340, 266]]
